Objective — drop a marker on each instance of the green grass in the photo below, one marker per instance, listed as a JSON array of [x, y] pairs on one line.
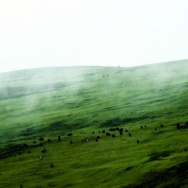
[[56, 101]]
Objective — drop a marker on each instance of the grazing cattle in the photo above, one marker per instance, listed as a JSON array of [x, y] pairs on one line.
[[113, 136], [59, 138], [44, 151], [112, 129], [121, 130], [21, 186], [98, 137], [70, 134], [141, 127], [96, 140], [182, 126], [138, 141], [117, 128], [70, 142], [103, 131], [49, 140], [126, 130], [130, 134], [145, 126], [25, 145], [178, 126], [161, 125], [85, 140], [41, 139], [93, 132], [155, 129], [108, 134], [51, 165]]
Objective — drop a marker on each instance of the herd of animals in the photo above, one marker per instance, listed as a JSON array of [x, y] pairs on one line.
[[112, 132]]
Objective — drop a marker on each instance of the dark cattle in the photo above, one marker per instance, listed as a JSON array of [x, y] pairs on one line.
[[96, 140], [49, 140], [41, 144], [185, 149], [59, 138], [34, 142], [70, 142], [141, 127], [178, 126], [138, 141], [182, 126], [103, 131], [112, 129], [99, 131], [113, 136], [41, 139], [85, 140], [130, 134], [108, 134], [21, 186], [51, 165], [93, 132], [161, 125], [70, 134], [44, 151], [126, 130], [145, 126], [98, 137], [117, 129], [155, 129], [121, 130], [29, 151]]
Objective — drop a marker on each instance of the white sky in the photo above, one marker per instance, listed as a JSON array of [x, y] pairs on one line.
[[42, 33]]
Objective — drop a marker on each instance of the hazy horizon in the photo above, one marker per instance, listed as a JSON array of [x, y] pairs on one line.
[[91, 33]]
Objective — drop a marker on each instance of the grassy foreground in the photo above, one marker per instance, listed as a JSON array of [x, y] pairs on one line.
[[46, 103]]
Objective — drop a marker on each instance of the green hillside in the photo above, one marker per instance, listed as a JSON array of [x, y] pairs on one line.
[[148, 101]]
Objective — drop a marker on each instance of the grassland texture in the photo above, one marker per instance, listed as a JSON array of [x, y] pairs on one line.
[[147, 102]]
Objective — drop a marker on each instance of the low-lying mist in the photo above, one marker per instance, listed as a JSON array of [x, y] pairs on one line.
[[84, 96]]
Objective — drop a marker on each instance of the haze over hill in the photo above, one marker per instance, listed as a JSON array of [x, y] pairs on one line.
[[95, 127], [88, 96]]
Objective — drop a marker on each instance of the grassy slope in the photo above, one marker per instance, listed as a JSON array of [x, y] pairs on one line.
[[53, 101]]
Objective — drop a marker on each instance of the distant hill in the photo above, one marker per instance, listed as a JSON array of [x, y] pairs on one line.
[[75, 97], [95, 127]]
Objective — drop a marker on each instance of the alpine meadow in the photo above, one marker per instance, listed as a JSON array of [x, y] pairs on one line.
[[95, 127]]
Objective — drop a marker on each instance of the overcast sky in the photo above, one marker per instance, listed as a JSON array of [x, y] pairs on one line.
[[43, 33]]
